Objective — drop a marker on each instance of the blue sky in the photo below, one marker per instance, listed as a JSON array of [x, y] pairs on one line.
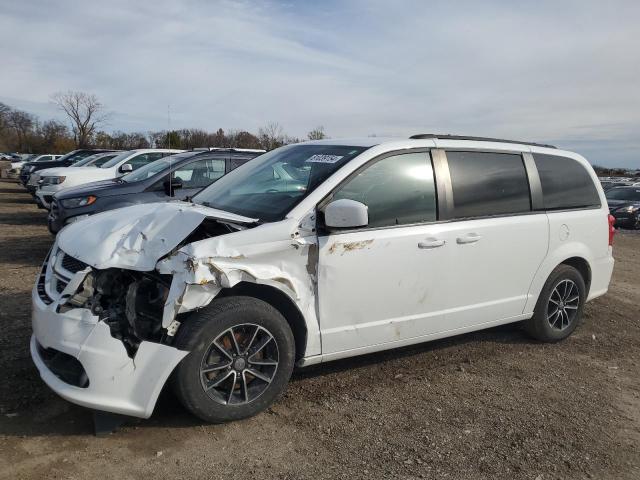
[[563, 72]]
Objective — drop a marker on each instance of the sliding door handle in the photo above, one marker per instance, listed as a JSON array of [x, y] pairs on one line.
[[431, 243], [468, 238]]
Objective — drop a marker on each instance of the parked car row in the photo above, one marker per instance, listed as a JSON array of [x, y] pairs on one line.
[[85, 182], [611, 182], [309, 253]]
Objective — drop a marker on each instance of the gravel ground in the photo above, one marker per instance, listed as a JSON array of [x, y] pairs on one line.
[[492, 404]]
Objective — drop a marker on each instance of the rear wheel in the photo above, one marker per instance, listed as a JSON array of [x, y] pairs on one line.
[[559, 307], [241, 356]]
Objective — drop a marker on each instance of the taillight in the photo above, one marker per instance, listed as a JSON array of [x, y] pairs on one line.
[[612, 229]]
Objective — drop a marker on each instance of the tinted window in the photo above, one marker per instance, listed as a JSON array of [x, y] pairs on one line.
[[235, 162], [565, 183], [143, 159], [79, 156], [488, 184], [398, 190], [102, 160], [200, 173]]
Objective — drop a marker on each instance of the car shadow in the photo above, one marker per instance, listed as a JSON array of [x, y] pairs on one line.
[[25, 252], [24, 218], [22, 199], [69, 419], [18, 190]]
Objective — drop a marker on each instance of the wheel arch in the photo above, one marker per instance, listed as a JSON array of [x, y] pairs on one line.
[[574, 255], [582, 265], [281, 302]]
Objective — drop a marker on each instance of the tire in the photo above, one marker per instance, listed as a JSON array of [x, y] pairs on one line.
[[239, 326], [546, 326]]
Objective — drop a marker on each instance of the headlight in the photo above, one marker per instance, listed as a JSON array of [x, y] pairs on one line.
[[628, 209], [52, 180], [78, 202]]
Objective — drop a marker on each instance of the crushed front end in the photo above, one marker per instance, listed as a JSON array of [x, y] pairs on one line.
[[97, 336]]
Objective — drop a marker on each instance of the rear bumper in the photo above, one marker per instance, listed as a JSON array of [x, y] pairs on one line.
[[601, 272], [116, 382]]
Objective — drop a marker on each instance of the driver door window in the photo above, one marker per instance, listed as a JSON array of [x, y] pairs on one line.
[[398, 190]]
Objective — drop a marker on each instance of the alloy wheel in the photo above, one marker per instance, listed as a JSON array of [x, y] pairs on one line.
[[563, 304], [239, 365]]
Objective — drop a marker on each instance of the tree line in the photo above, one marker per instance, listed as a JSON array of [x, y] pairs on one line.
[[24, 132]]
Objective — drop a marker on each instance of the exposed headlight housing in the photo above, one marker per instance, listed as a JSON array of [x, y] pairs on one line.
[[78, 201]]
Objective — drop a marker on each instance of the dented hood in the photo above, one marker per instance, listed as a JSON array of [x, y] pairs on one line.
[[136, 237]]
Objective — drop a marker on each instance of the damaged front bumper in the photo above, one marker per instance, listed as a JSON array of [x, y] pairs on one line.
[[81, 361]]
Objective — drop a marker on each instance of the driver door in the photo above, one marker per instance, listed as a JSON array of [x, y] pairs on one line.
[[386, 282]]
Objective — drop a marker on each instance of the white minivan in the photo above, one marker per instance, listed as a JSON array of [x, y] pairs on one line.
[[364, 245], [53, 180]]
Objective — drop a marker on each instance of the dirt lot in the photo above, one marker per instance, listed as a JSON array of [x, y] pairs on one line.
[[492, 404]]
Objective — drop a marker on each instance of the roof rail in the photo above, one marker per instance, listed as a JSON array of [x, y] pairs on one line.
[[435, 136]]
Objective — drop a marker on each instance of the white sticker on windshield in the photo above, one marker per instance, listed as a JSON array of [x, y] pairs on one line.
[[319, 158]]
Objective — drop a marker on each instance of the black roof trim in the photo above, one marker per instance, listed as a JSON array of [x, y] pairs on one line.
[[434, 136]]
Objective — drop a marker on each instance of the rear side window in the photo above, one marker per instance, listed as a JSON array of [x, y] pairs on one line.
[[235, 162], [398, 190], [487, 184], [565, 183], [200, 173]]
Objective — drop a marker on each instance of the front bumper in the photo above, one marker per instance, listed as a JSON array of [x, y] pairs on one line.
[[43, 198], [116, 382]]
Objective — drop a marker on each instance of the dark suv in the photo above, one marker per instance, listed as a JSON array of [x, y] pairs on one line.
[[624, 205], [175, 177], [64, 161]]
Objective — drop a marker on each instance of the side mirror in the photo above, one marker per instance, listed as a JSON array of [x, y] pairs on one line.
[[126, 168], [176, 182], [345, 213]]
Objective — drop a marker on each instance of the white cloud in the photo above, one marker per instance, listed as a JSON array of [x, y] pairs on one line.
[[562, 72]]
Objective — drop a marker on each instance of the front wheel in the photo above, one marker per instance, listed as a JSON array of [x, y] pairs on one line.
[[242, 353], [559, 307]]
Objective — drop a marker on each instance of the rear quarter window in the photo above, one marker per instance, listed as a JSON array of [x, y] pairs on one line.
[[565, 183]]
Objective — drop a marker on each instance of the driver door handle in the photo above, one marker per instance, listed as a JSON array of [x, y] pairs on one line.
[[431, 243], [468, 238]]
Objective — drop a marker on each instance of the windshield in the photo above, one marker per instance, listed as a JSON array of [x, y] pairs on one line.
[[632, 194], [115, 160], [79, 156], [94, 159], [153, 168], [272, 184], [68, 155]]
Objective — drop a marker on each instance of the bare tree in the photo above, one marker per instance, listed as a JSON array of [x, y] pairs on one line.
[[85, 112], [5, 110], [22, 124], [271, 136], [317, 133]]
